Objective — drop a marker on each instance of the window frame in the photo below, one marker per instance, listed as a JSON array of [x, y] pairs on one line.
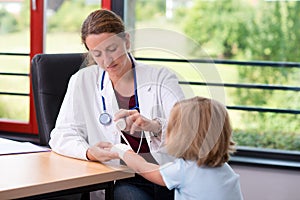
[[36, 46]]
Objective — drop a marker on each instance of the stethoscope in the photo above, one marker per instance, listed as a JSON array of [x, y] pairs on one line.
[[105, 118]]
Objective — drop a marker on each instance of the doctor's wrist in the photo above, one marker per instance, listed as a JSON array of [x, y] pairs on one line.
[[89, 156], [157, 129]]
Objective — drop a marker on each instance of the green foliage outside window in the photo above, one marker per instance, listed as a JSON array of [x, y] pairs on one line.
[[267, 31], [8, 22], [147, 10], [229, 29], [68, 18]]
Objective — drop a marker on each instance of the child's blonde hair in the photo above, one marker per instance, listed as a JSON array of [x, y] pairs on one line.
[[199, 129]]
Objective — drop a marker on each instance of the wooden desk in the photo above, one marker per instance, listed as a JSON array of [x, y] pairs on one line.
[[24, 175]]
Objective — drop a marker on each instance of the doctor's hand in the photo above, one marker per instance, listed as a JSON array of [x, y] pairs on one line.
[[136, 122], [101, 152]]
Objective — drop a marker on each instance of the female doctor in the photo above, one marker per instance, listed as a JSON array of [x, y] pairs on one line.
[[116, 87]]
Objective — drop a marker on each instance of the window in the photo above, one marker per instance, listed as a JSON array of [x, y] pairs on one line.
[[14, 40], [15, 100], [21, 37], [243, 53]]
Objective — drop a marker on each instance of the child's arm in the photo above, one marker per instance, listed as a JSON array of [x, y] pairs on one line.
[[148, 170]]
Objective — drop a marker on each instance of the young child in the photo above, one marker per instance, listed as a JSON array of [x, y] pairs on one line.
[[199, 137]]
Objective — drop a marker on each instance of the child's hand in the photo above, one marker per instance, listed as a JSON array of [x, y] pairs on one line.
[[120, 149]]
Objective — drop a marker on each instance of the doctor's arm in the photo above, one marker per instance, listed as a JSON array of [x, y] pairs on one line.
[[69, 136], [136, 122]]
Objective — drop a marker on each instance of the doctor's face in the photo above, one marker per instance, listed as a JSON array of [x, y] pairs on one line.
[[110, 52]]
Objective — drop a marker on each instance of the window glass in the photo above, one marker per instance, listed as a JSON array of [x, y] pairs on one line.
[[233, 30], [64, 19], [14, 60]]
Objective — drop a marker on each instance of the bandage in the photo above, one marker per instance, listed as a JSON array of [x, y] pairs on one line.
[[121, 124], [120, 149]]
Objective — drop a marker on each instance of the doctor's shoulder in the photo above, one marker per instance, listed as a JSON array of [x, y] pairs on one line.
[[87, 73]]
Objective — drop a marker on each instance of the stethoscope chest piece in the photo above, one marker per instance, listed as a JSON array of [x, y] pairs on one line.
[[105, 118]]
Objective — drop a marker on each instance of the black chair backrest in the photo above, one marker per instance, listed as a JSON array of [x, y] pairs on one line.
[[50, 74]]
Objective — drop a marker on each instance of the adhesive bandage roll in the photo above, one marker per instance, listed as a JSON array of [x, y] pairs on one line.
[[120, 149], [121, 124]]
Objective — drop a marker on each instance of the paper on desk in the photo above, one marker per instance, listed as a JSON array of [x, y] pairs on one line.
[[13, 147]]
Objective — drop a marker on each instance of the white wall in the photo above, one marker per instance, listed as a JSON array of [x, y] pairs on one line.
[[259, 183]]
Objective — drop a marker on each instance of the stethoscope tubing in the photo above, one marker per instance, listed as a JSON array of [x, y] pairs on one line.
[[105, 118]]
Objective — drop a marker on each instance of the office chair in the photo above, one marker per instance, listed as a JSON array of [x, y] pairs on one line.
[[50, 74]]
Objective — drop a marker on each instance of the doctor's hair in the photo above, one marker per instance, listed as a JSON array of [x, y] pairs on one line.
[[102, 21], [199, 130]]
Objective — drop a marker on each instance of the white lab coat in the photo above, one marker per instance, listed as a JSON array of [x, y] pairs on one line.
[[78, 127]]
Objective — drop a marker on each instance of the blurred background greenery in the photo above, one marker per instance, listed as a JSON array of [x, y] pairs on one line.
[[229, 29]]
